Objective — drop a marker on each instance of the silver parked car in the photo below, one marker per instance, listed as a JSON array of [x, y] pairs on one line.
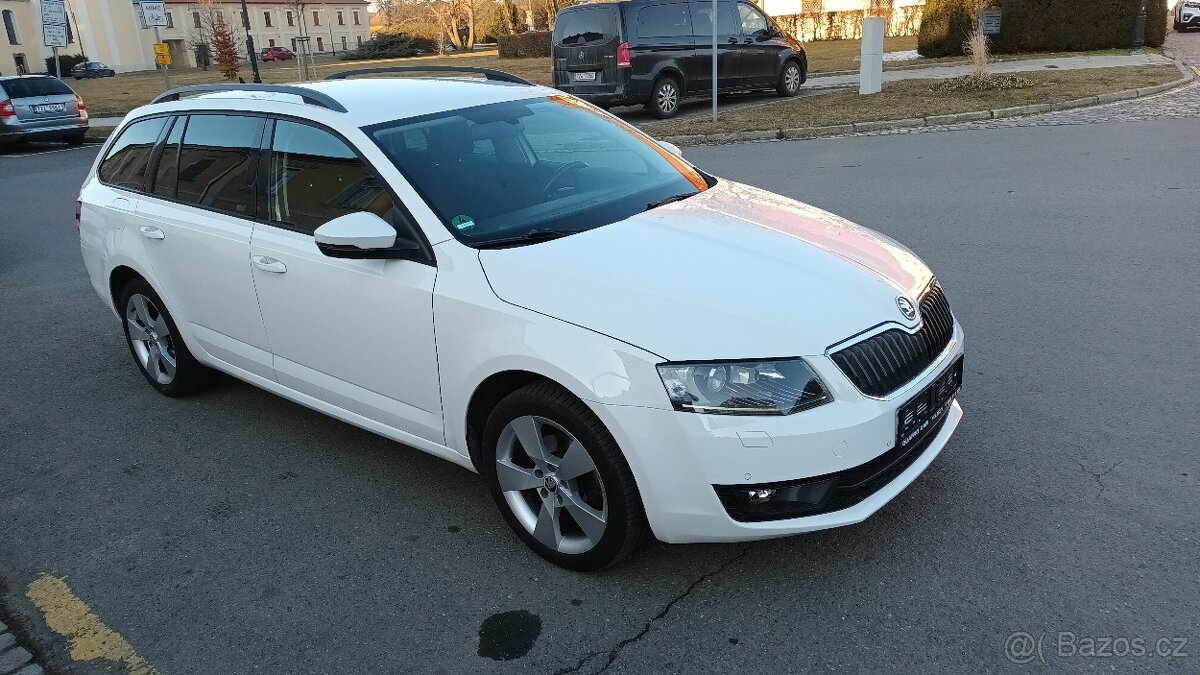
[[40, 108]]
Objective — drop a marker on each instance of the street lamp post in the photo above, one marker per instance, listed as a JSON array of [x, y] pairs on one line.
[[250, 43], [1139, 31]]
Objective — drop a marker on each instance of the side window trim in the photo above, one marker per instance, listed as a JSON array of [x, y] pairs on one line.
[[408, 225], [156, 158]]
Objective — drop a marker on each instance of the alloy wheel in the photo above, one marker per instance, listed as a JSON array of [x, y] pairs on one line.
[[791, 78], [551, 484], [668, 97], [151, 339]]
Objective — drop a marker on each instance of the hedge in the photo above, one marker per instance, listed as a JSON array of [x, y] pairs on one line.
[[526, 45], [1041, 25], [390, 46], [66, 61]]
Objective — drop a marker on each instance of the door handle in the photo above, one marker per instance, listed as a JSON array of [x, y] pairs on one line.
[[266, 264], [733, 41], [151, 232], [748, 41]]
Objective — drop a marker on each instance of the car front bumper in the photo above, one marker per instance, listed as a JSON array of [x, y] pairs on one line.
[[1192, 19], [682, 460]]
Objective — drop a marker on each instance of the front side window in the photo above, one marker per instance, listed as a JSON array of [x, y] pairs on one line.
[[517, 170], [753, 20], [216, 162], [727, 19], [314, 177], [125, 164]]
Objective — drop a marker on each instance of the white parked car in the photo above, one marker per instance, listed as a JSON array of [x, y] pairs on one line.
[[511, 279], [1187, 14]]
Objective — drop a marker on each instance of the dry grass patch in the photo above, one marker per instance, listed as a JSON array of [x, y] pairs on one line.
[[921, 98]]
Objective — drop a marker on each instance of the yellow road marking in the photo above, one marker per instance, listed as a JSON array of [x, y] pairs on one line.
[[71, 618]]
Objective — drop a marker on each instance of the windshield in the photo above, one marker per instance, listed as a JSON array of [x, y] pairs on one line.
[[502, 172]]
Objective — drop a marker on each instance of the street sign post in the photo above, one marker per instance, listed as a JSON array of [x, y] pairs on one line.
[[54, 29], [154, 15]]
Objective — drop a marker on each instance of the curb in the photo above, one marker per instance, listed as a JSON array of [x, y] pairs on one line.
[[801, 133], [14, 658]]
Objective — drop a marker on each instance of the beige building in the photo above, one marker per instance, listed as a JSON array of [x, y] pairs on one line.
[[112, 31], [21, 49]]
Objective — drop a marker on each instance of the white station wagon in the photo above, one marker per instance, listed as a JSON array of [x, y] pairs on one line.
[[511, 279]]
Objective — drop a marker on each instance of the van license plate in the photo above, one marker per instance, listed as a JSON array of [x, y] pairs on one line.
[[585, 77], [51, 107]]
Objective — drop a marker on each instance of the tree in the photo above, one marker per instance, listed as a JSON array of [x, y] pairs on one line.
[[202, 18], [226, 48]]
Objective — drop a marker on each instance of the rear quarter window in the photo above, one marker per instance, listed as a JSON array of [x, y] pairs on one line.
[[664, 21], [586, 26], [126, 162], [35, 86]]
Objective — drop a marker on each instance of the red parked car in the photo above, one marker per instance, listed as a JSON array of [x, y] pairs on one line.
[[276, 54]]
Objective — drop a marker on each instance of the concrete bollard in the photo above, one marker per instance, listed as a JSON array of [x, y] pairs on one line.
[[870, 72]]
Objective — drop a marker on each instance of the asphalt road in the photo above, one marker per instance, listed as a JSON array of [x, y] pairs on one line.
[[235, 532]]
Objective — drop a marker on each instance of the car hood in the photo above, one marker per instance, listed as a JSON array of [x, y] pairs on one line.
[[732, 273]]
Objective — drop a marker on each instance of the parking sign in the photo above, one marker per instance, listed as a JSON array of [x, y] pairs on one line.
[[54, 23], [154, 14]]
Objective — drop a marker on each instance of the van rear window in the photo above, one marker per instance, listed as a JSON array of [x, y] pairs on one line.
[[586, 26]]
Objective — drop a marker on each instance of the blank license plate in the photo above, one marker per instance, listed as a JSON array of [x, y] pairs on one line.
[[49, 107], [585, 77], [923, 411]]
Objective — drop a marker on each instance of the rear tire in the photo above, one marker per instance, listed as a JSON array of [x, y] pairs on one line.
[[790, 79], [665, 98], [560, 480], [156, 344]]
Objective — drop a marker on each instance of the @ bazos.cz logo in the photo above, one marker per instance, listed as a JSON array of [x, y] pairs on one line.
[[1021, 647]]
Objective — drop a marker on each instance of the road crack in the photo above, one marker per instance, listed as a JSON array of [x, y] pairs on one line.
[[1097, 475], [662, 613]]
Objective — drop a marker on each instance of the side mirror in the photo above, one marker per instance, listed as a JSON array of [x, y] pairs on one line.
[[763, 34], [671, 148], [360, 235]]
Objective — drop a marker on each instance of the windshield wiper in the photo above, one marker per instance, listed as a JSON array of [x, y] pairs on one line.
[[668, 200], [530, 237]]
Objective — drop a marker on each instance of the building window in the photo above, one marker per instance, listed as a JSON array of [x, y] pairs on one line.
[[293, 45], [170, 20], [10, 27], [341, 18], [270, 43], [291, 19], [267, 19], [344, 47], [320, 45], [359, 38], [21, 63], [196, 20], [316, 18], [357, 22]]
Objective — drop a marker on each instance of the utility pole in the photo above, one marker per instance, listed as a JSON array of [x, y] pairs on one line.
[[1139, 30], [250, 43]]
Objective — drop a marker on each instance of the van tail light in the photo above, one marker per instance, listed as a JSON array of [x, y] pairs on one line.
[[623, 56], [78, 210], [6, 109], [79, 102]]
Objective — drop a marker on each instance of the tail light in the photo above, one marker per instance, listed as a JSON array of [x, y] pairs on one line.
[[623, 56], [6, 109], [79, 102]]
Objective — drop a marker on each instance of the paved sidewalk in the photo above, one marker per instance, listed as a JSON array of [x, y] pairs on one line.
[[1018, 66], [14, 659]]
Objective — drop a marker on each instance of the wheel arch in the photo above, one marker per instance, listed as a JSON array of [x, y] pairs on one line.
[[117, 278], [483, 401]]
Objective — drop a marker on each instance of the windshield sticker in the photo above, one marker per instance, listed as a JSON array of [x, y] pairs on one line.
[[463, 222]]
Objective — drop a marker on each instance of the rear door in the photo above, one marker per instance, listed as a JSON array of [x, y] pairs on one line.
[[41, 102], [729, 74], [664, 34], [585, 46]]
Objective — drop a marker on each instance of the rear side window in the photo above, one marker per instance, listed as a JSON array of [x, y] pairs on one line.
[[216, 162], [586, 26], [727, 19], [125, 164], [664, 21], [28, 87], [314, 177]]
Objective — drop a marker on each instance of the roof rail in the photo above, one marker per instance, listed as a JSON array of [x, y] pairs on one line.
[[309, 96], [488, 73]]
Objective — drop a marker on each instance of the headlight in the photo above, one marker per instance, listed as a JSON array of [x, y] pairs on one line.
[[779, 387]]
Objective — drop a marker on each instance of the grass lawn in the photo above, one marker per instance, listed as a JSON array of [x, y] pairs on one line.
[[915, 98]]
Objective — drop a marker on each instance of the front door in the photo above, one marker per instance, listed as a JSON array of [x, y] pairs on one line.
[[357, 334], [728, 74], [757, 50]]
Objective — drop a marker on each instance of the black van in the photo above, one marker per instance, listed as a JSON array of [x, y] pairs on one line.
[[658, 51]]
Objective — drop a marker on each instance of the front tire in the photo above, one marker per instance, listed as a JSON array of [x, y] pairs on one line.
[[790, 79], [664, 98], [560, 480], [156, 345]]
